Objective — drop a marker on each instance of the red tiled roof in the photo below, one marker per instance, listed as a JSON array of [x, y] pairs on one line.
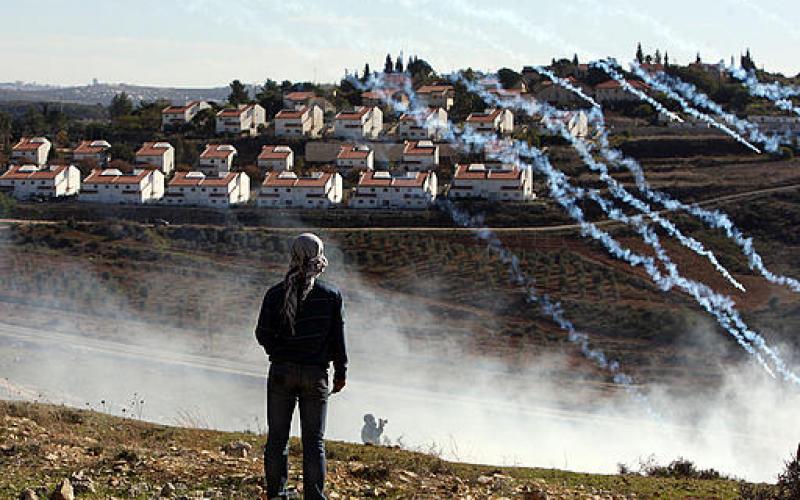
[[274, 179], [463, 172], [428, 89], [26, 144], [484, 117], [299, 96], [97, 177], [179, 109], [613, 84], [150, 149], [413, 117], [235, 112], [272, 153], [181, 179], [214, 151], [291, 114], [86, 148], [351, 152], [356, 114], [14, 173], [415, 149], [368, 179]]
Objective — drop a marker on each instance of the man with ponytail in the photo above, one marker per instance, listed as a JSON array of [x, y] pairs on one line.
[[301, 327]]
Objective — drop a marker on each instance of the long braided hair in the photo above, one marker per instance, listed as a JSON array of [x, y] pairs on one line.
[[307, 263]]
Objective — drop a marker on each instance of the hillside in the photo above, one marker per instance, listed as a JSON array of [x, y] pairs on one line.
[[107, 456]]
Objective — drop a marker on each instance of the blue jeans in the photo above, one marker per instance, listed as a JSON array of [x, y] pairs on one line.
[[288, 384]]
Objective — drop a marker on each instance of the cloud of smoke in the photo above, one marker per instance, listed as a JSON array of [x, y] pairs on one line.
[[779, 95]]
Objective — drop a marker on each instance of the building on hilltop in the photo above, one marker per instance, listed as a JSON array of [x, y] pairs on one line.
[[430, 123], [218, 191], [352, 157], [275, 158], [364, 122], [160, 155], [31, 151], [113, 187], [31, 181], [287, 190], [383, 190], [92, 151], [303, 121], [174, 116], [217, 158], [244, 119], [420, 155], [492, 182], [492, 120], [437, 96]]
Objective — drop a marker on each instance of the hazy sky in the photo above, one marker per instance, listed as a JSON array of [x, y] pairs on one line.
[[210, 42]]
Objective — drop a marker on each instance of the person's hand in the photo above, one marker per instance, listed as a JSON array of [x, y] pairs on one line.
[[338, 385]]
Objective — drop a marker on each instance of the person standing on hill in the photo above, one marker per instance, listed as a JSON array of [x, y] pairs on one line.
[[301, 327]]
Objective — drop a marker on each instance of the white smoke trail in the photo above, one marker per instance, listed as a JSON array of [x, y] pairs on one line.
[[563, 82], [722, 308], [714, 219], [688, 108], [682, 91], [608, 67], [778, 94]]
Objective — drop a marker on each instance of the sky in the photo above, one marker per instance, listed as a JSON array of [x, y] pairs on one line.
[[199, 43]]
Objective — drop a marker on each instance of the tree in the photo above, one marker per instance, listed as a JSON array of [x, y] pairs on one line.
[[398, 64], [509, 78], [121, 105], [205, 122], [746, 62], [5, 129], [366, 74], [639, 53], [575, 59], [270, 97], [239, 94], [122, 152], [666, 58], [697, 60], [419, 68], [658, 56], [388, 67], [648, 59]]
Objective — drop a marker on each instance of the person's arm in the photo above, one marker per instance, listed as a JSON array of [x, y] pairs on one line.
[[265, 331], [339, 348]]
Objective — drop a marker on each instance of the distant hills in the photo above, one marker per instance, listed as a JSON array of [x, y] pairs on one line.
[[102, 93]]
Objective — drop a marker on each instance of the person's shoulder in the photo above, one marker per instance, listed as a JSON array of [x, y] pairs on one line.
[[328, 289], [274, 291]]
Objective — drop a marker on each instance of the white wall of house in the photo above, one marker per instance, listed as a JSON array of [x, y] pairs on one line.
[[147, 190], [277, 164], [326, 195], [368, 126], [37, 156], [395, 196], [209, 192], [186, 115], [494, 189], [66, 182], [165, 161], [431, 127], [366, 163], [309, 123], [247, 121]]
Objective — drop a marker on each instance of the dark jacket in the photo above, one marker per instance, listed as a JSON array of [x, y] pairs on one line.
[[319, 328]]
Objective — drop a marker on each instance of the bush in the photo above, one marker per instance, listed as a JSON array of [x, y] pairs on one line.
[[789, 479], [7, 205]]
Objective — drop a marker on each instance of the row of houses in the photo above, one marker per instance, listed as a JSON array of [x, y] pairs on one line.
[[374, 189]]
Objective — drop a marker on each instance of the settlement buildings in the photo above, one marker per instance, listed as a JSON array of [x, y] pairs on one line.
[[299, 122], [31, 181], [175, 116], [495, 183], [160, 155], [437, 96], [493, 120], [286, 189], [92, 151], [420, 155], [112, 186], [244, 119], [217, 191], [217, 158], [352, 157], [31, 151], [382, 190], [612, 91], [364, 122], [429, 124], [275, 158]]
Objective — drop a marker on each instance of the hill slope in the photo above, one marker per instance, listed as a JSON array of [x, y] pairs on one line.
[[41, 445]]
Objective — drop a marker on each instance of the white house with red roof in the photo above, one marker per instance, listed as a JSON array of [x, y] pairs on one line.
[[217, 158], [302, 121], [31, 151], [96, 151], [160, 155], [287, 190], [355, 157], [420, 155], [613, 91], [492, 120], [555, 94], [386, 96], [492, 182], [383, 190], [243, 119], [430, 123], [174, 116], [27, 181], [364, 122], [275, 158], [114, 187], [216, 191], [293, 99], [437, 96]]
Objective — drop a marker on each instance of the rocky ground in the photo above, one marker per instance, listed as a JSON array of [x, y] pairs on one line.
[[61, 453]]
